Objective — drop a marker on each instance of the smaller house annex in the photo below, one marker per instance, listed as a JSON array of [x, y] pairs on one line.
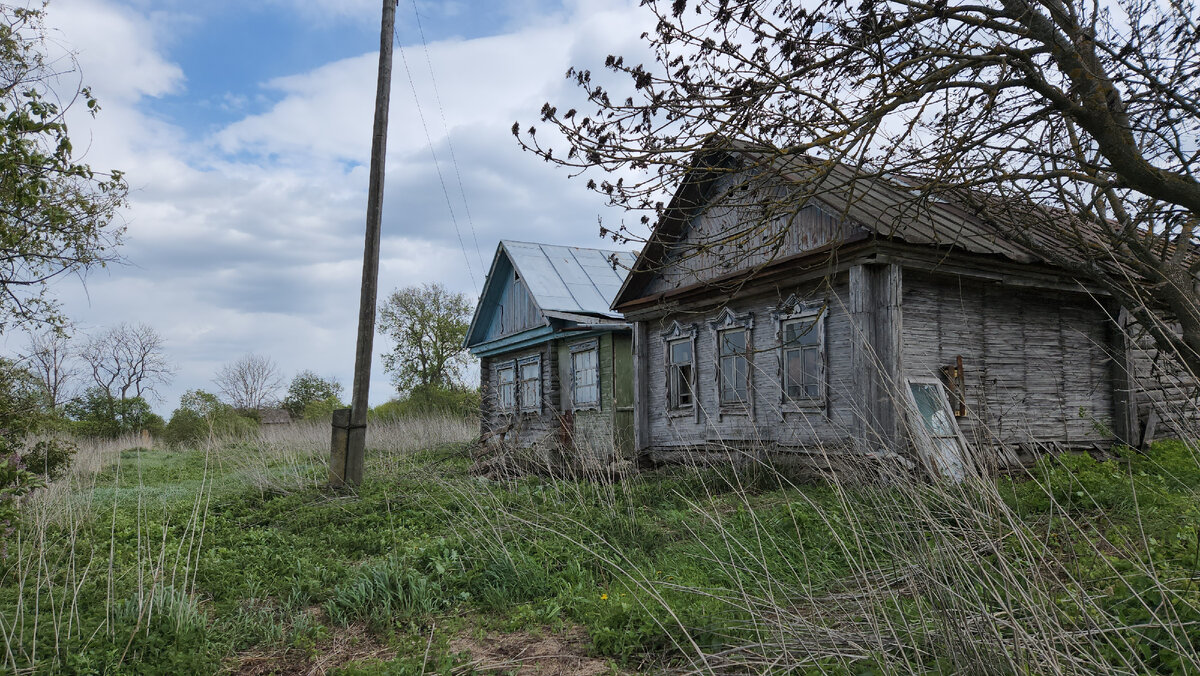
[[555, 361], [832, 316]]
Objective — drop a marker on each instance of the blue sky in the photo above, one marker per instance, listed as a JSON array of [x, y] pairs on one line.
[[244, 131]]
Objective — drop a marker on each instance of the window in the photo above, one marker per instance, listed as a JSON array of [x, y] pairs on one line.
[[681, 370], [505, 393], [531, 384], [732, 334], [734, 366], [937, 434], [585, 375], [803, 372]]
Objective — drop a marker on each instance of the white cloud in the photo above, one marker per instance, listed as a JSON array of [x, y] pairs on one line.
[[118, 47], [249, 239]]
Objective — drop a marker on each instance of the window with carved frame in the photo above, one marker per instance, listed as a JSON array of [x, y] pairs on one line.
[[734, 336], [801, 333], [679, 347], [506, 388]]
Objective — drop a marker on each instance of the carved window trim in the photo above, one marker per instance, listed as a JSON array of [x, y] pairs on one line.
[[677, 333], [525, 406], [728, 320], [581, 347], [795, 309], [511, 405]]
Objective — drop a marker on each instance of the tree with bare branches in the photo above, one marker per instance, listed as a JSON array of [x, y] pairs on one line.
[[1076, 123], [50, 357], [127, 361], [250, 382]]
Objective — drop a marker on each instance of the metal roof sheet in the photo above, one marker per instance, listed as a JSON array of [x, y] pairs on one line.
[[568, 278]]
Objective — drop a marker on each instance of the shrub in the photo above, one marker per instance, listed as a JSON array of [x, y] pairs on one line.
[[99, 414], [51, 457], [201, 415], [435, 400]]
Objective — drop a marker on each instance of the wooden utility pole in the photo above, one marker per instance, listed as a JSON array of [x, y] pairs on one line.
[[347, 446]]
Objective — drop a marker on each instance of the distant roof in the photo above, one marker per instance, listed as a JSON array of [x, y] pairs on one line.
[[565, 284], [570, 278]]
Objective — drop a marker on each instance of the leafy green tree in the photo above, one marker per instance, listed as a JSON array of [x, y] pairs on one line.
[[309, 389], [202, 415], [57, 215], [322, 409], [428, 325], [24, 406], [97, 414]]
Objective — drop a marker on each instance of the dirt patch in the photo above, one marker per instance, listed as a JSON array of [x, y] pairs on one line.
[[527, 654], [344, 645]]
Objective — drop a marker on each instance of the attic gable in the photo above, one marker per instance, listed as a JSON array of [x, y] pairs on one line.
[[736, 220], [530, 284], [506, 306]]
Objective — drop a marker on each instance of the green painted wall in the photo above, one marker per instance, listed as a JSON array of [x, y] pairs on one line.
[[611, 427]]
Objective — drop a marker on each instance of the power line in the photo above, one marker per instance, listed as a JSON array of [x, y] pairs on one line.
[[436, 164], [450, 146]]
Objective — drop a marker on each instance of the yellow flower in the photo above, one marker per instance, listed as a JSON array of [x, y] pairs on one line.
[[604, 597]]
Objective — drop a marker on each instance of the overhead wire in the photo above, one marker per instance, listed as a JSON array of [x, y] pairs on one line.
[[436, 163], [449, 145]]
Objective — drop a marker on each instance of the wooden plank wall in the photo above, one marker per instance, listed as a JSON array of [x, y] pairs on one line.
[[737, 232], [524, 429], [772, 422], [875, 297], [515, 311], [1163, 390], [1037, 363]]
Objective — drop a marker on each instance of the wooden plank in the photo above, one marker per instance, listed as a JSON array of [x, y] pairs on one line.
[[642, 401], [1125, 406]]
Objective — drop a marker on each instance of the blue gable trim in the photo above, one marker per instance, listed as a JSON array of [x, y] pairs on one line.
[[517, 341], [542, 334]]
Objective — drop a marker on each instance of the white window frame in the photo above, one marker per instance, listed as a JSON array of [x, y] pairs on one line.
[[584, 347], [794, 310], [679, 333], [946, 452], [525, 406], [511, 404], [727, 320]]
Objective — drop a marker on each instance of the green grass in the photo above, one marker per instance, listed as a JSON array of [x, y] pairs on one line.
[[182, 562]]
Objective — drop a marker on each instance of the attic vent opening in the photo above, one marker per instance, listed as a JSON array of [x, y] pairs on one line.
[[516, 276]]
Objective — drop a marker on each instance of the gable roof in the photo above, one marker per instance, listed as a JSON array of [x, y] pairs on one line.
[[568, 278], [567, 283], [882, 207]]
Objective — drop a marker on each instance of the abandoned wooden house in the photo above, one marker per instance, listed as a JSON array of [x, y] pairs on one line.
[[851, 321], [555, 361]]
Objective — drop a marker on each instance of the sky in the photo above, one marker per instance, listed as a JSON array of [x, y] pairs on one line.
[[244, 129]]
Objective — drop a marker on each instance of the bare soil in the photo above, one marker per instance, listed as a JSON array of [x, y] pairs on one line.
[[527, 654]]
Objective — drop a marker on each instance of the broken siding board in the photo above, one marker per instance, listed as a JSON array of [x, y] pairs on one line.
[[1163, 389]]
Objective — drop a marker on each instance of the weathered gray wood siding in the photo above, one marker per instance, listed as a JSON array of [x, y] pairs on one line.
[[523, 429], [744, 229], [769, 421], [1037, 363], [514, 311], [1166, 396]]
